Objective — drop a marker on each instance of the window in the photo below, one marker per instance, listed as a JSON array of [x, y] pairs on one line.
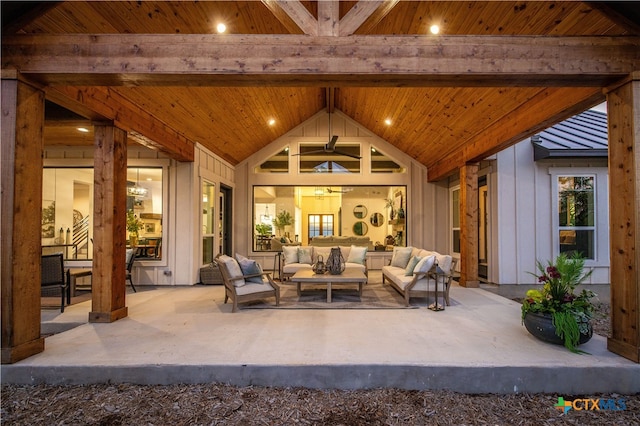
[[67, 197], [576, 215], [455, 219], [381, 163], [208, 220], [314, 159], [298, 213], [278, 163], [320, 224]]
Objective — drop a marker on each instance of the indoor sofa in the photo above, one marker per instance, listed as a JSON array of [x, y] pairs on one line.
[[340, 241], [412, 272], [296, 258]]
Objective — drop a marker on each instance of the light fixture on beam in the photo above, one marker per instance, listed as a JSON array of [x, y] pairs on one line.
[[137, 190]]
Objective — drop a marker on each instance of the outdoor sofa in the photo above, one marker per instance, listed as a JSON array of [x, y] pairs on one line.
[[412, 272]]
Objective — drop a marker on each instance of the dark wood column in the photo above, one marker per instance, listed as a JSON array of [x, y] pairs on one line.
[[20, 216], [469, 225], [623, 104], [109, 219]]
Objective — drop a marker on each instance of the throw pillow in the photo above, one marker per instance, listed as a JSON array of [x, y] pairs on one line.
[[411, 265], [401, 256], [357, 255], [233, 268], [290, 254], [321, 251], [305, 255], [250, 267], [425, 264]]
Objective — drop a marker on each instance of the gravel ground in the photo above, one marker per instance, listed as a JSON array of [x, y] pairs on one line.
[[215, 404]]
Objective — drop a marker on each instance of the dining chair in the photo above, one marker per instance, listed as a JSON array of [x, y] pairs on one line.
[[53, 276], [130, 258]]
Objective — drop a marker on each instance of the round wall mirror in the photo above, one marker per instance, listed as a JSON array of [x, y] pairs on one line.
[[360, 211], [377, 219], [360, 228]]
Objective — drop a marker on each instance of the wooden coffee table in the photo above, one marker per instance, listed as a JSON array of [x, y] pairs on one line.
[[349, 276]]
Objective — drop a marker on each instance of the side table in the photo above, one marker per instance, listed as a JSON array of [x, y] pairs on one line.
[[277, 258]]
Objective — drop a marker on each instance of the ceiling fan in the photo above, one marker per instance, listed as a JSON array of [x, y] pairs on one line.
[[330, 147], [339, 191]]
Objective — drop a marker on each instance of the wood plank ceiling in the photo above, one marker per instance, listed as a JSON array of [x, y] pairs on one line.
[[432, 124]]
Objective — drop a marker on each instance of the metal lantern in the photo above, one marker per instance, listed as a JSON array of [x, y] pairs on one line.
[[335, 263], [319, 267]]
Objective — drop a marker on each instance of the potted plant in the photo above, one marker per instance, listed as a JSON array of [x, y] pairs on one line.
[[555, 313], [281, 220], [133, 227], [263, 229]]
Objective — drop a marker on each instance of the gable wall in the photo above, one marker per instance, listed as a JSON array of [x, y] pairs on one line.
[[427, 203]]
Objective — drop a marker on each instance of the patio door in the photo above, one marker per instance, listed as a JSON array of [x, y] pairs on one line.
[[224, 221], [483, 237]]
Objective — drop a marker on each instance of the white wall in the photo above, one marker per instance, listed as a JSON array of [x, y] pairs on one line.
[[524, 204], [181, 222]]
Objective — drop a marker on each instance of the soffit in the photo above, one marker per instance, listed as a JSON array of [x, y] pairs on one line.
[[429, 123]]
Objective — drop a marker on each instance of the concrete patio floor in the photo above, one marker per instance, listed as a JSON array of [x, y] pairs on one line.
[[187, 335]]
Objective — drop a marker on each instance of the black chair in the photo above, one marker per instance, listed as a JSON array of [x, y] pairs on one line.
[[53, 276], [131, 257]]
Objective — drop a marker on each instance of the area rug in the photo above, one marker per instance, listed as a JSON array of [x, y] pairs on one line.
[[374, 296]]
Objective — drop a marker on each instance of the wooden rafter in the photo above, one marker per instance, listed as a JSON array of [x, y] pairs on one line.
[[128, 117], [328, 18], [365, 15], [330, 99], [524, 122], [293, 15], [142, 59]]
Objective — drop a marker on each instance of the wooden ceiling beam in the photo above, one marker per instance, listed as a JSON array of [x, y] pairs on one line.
[[149, 59], [293, 15], [328, 18], [365, 15], [330, 99], [143, 127], [547, 108]]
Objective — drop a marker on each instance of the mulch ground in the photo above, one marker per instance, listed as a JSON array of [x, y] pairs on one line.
[[217, 404]]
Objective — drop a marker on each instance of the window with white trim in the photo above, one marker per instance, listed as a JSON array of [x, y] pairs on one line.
[[576, 227]]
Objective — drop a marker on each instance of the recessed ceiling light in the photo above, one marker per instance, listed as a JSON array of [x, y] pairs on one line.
[[435, 29], [387, 122], [83, 129], [271, 122], [221, 28]]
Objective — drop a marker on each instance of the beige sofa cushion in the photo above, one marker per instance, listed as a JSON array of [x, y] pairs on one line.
[[340, 240]]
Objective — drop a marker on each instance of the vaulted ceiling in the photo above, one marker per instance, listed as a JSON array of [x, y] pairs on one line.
[[496, 73]]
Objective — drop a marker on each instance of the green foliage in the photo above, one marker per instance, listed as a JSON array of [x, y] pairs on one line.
[[283, 219], [133, 223], [571, 313], [263, 229]]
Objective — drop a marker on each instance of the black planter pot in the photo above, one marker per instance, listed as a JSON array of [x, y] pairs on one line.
[[541, 326]]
